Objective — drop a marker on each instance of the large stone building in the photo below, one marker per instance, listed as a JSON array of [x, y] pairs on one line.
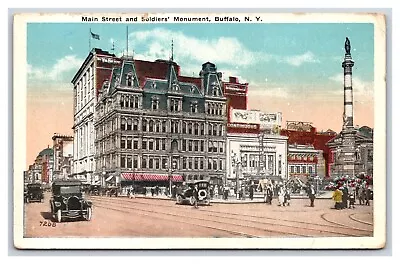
[[154, 126], [353, 146], [87, 82]]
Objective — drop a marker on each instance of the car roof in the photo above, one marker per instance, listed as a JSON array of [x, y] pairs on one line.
[[67, 183]]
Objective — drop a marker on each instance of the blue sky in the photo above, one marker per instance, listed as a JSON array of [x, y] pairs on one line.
[[289, 56]]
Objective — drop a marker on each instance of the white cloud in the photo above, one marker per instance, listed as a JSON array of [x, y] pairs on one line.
[[359, 86], [64, 65], [71, 48], [297, 60], [222, 50]]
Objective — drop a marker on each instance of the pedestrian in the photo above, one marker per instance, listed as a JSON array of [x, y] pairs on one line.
[[281, 196], [269, 194], [251, 192], [352, 198], [311, 194], [287, 196], [152, 191], [345, 196], [195, 194], [337, 197], [367, 195]]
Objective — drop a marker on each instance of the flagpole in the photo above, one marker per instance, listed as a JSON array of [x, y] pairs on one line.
[[127, 50]]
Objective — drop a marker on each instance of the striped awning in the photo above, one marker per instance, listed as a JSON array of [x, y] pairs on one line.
[[129, 176]]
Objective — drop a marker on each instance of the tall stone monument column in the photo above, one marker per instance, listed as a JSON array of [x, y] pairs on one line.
[[347, 149]]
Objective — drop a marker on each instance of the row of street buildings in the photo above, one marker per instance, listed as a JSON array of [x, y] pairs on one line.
[[143, 122]]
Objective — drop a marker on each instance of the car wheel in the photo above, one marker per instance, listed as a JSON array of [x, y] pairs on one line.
[[179, 199], [88, 216], [59, 216], [192, 200]]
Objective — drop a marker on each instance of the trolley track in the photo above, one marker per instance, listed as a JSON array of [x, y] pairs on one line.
[[344, 231]]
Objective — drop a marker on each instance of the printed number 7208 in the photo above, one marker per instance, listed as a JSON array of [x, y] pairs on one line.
[[48, 223]]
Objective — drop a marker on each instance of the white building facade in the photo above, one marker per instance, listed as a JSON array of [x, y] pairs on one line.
[[87, 81]]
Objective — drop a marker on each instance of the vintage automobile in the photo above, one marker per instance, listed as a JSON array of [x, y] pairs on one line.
[[185, 194], [34, 193], [68, 202]]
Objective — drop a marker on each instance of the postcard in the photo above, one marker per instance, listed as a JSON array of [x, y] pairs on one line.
[[199, 130]]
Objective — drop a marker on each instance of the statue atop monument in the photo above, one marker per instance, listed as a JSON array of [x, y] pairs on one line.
[[347, 46]]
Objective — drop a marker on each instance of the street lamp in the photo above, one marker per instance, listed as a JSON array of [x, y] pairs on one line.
[[236, 162]]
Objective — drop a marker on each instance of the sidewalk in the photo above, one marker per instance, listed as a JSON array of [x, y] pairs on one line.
[[258, 198]]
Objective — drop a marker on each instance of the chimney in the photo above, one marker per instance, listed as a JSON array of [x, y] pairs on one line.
[[233, 79]]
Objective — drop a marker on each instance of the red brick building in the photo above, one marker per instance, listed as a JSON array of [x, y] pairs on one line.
[[303, 133]]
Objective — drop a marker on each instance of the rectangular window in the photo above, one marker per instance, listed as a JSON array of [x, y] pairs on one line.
[[157, 160], [135, 162], [151, 145], [201, 163], [157, 144], [135, 125], [129, 162], [215, 164], [297, 169], [136, 102], [123, 143], [202, 146], [209, 129], [220, 164], [144, 162], [129, 143], [144, 144], [131, 99], [151, 162], [184, 145], [164, 163], [123, 161], [163, 144], [164, 126], [291, 169], [129, 125], [184, 160], [196, 163], [210, 164], [304, 169], [201, 129], [221, 147], [190, 163], [135, 144], [196, 145], [144, 125], [183, 128], [310, 169], [190, 145], [190, 128]]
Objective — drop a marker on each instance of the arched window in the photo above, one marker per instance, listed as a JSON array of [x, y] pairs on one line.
[[129, 124], [144, 125], [151, 126], [123, 124]]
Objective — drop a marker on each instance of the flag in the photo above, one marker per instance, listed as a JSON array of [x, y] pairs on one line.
[[95, 36]]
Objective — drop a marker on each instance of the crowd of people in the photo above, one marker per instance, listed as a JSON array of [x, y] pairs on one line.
[[345, 196]]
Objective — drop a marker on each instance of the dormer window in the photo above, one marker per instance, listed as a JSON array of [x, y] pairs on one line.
[[175, 86], [215, 89], [155, 102], [193, 107], [129, 80], [174, 105]]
